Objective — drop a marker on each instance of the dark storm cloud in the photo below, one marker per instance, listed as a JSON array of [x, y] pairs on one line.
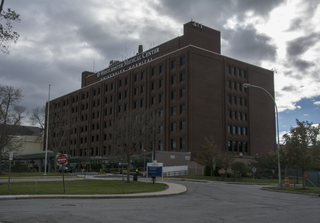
[[297, 47]]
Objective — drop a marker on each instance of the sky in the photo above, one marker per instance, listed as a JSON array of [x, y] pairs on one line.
[[60, 39]]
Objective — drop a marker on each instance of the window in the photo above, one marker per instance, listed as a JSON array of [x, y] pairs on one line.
[[120, 96], [234, 115], [173, 110], [93, 115], [125, 107], [142, 88], [111, 98], [160, 98], [182, 77], [228, 69], [142, 75], [234, 129], [106, 111], [239, 115], [94, 104], [107, 87], [182, 109], [173, 127], [160, 145], [239, 130], [239, 101], [235, 146], [173, 95], [120, 83], [106, 100], [120, 107], [142, 103], [126, 81], [111, 86], [153, 85], [136, 90], [182, 143], [234, 100], [229, 84], [232, 71], [245, 131], [153, 100], [94, 92], [229, 99], [244, 74], [173, 144], [238, 72], [135, 104], [173, 64], [160, 83], [173, 79], [229, 129], [229, 114], [244, 117], [244, 102], [153, 71], [161, 69], [136, 77], [182, 61], [230, 146], [245, 146], [239, 87], [182, 125], [182, 92], [234, 86], [111, 111]]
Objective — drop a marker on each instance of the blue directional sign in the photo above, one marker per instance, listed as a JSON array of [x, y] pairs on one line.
[[154, 169]]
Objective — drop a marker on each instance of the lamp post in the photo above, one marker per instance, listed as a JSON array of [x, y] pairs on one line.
[[46, 153], [246, 85]]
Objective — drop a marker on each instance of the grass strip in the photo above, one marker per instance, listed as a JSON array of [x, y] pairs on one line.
[[80, 187], [313, 190]]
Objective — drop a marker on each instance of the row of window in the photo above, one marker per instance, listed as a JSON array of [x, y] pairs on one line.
[[236, 71], [174, 126], [237, 130], [237, 100], [235, 146], [236, 86], [237, 115]]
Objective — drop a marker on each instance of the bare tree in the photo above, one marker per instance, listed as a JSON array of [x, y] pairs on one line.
[[6, 31], [38, 116], [11, 114], [58, 130]]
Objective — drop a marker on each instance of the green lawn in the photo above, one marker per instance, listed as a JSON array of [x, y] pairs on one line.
[[314, 190], [246, 180], [33, 174], [80, 187]]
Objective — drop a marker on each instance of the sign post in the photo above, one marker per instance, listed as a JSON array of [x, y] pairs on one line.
[[122, 164], [84, 166], [62, 160], [10, 159], [253, 171]]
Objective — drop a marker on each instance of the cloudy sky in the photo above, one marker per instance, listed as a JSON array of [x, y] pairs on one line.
[[60, 39]]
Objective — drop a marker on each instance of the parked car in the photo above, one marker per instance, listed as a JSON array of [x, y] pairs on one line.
[[65, 169]]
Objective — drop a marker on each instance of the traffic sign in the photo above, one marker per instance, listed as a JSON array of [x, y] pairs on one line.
[[254, 169], [84, 165], [62, 159], [221, 171]]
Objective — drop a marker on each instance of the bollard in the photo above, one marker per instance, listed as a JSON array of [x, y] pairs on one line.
[[286, 182]]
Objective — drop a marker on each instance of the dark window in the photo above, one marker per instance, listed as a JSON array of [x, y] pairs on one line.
[[239, 115], [238, 72], [173, 127], [234, 85], [94, 104], [235, 146], [154, 71], [106, 100], [234, 129], [182, 61], [153, 100], [229, 84], [120, 95], [136, 77], [173, 95], [244, 74], [230, 146], [245, 131], [182, 77], [229, 129], [173, 64], [182, 92], [182, 109], [173, 79], [135, 104], [160, 83], [229, 114], [94, 92], [173, 144], [111, 98], [111, 86], [107, 87], [228, 69], [142, 75], [232, 71], [126, 81], [160, 69], [153, 85], [125, 94], [125, 107], [120, 107], [234, 115], [182, 125], [239, 87], [234, 100], [111, 110], [244, 102], [142, 89], [245, 145], [142, 103], [229, 99], [120, 83], [160, 98], [136, 91], [106, 111], [182, 143], [173, 110], [244, 117]]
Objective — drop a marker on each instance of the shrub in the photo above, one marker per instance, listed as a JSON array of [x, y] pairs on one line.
[[207, 171], [239, 169], [216, 171]]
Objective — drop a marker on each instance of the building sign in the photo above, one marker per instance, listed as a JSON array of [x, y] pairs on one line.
[[154, 169], [132, 63]]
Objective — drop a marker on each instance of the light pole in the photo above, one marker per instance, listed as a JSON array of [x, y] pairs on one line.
[[144, 163], [246, 85], [46, 153]]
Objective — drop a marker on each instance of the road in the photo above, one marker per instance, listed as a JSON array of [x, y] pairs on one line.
[[204, 202]]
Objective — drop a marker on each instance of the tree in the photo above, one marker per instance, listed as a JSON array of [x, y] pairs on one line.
[[224, 160], [38, 116], [6, 31], [59, 126], [239, 168], [11, 114], [302, 147], [207, 156], [128, 133]]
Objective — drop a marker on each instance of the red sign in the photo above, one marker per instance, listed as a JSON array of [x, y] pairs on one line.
[[62, 159], [84, 165], [305, 175]]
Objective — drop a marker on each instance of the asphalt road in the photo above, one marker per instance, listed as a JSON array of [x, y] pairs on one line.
[[204, 202]]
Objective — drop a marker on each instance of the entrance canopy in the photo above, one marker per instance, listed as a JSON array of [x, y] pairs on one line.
[[30, 156]]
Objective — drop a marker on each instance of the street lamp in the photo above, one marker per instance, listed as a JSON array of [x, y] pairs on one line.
[[246, 85]]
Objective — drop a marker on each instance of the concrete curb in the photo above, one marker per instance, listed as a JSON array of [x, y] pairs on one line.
[[173, 189], [289, 192]]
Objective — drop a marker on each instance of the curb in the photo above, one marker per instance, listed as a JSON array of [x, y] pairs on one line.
[[289, 192]]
